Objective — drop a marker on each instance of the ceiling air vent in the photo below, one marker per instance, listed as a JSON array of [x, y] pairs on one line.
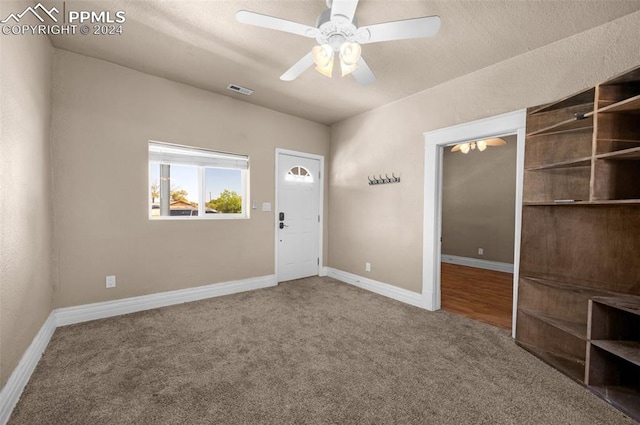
[[239, 89]]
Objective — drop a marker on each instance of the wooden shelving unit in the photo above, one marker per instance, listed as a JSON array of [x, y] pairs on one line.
[[581, 237]]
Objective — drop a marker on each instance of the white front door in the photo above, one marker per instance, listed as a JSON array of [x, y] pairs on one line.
[[298, 217]]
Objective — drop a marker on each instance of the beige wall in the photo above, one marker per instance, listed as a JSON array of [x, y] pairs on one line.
[[383, 224], [103, 116], [25, 197], [478, 202]]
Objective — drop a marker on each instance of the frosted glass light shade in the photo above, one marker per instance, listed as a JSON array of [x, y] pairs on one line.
[[347, 69], [350, 53], [326, 70], [322, 55]]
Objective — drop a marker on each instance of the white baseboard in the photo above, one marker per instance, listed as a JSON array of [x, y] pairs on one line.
[[12, 390], [87, 312], [324, 271], [477, 263], [399, 294]]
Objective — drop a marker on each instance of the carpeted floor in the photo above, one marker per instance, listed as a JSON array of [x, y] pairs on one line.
[[312, 351]]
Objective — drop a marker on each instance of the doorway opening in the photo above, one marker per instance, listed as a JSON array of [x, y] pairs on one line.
[[501, 125], [477, 227]]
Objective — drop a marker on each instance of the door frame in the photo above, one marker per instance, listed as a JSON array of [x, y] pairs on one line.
[[320, 158], [496, 126]]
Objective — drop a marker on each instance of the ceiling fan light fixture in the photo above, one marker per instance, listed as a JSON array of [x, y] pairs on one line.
[[326, 70], [481, 145], [346, 68], [337, 31], [322, 55], [350, 53]]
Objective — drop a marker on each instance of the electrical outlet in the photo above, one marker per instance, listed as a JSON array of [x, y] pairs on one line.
[[111, 281], [480, 251], [367, 267]]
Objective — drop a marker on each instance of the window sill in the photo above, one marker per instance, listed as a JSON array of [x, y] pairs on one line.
[[197, 218]]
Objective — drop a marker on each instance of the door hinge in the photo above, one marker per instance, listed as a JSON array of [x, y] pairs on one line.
[[318, 218], [318, 260], [319, 175]]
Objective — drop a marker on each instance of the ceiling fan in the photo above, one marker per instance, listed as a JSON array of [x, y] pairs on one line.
[[337, 34], [480, 144]]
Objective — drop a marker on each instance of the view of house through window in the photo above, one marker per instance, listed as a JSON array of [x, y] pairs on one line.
[[192, 182]]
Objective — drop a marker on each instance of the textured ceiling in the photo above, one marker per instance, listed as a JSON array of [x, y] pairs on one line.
[[200, 43]]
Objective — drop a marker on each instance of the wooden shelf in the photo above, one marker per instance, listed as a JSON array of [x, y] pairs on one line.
[[584, 97], [573, 124], [570, 163], [628, 350], [607, 202], [555, 204], [617, 139], [629, 304], [632, 77], [610, 202], [628, 105], [579, 330], [570, 366], [594, 292], [623, 398], [630, 154]]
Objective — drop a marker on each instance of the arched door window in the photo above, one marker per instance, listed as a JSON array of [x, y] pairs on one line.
[[299, 174]]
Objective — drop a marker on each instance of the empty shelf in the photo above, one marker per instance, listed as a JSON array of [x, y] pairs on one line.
[[578, 330], [628, 350]]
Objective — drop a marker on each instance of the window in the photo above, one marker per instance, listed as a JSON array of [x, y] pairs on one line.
[[299, 174], [190, 182]]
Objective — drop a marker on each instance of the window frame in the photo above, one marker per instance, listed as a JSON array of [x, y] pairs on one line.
[[201, 180]]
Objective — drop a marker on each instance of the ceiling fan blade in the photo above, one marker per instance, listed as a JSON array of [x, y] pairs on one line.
[[363, 74], [266, 21], [496, 141], [399, 30], [345, 8], [298, 68]]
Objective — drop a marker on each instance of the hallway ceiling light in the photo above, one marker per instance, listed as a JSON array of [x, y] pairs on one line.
[[480, 144]]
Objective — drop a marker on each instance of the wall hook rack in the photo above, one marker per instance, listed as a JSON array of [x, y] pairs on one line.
[[383, 180]]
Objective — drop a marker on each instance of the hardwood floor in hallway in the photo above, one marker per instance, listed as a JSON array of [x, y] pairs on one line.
[[483, 295]]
